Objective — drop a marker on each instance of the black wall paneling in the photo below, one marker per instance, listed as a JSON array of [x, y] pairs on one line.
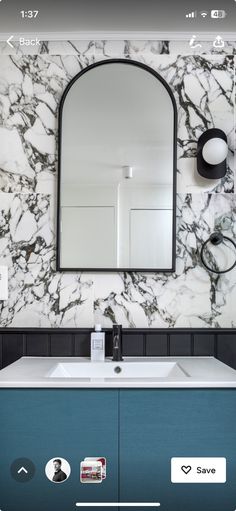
[[157, 344], [226, 349], [13, 347], [181, 345], [81, 343], [134, 345], [204, 345], [62, 345], [61, 342], [38, 345]]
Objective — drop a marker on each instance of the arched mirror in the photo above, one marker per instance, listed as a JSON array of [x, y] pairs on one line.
[[117, 170]]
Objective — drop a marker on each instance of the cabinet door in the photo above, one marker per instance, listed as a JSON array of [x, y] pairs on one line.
[[44, 424], [156, 425]]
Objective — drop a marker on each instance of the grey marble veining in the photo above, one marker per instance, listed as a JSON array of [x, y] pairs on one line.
[[38, 296], [30, 91], [204, 91], [31, 87], [191, 297], [110, 48], [134, 48]]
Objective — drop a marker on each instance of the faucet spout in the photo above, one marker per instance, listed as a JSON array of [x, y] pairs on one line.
[[117, 343]]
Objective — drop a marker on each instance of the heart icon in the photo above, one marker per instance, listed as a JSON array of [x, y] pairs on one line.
[[185, 469]]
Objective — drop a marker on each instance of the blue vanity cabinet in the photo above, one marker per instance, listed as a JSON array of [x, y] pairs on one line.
[[41, 424], [137, 430], [156, 425]]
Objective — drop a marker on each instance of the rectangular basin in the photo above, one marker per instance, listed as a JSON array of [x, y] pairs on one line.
[[121, 370], [132, 372]]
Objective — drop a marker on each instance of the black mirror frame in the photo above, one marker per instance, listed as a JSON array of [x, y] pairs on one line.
[[169, 91]]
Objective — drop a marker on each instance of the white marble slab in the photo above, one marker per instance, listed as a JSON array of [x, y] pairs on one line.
[[31, 87]]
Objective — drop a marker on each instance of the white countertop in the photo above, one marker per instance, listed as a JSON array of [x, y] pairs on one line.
[[187, 372]]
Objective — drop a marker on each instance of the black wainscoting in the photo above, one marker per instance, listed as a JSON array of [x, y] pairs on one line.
[[56, 342]]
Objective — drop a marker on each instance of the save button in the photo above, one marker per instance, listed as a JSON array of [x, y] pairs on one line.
[[198, 470]]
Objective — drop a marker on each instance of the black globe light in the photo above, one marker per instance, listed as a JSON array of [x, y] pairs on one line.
[[212, 152]]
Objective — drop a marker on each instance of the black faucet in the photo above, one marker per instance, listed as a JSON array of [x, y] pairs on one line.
[[117, 343]]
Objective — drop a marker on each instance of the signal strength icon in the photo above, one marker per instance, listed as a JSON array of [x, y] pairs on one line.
[[192, 14]]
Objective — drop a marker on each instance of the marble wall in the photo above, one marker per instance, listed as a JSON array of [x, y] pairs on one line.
[[30, 90]]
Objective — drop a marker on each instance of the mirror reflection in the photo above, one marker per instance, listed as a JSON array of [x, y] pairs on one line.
[[117, 170]]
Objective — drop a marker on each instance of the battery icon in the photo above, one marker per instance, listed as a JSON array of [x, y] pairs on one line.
[[218, 14]]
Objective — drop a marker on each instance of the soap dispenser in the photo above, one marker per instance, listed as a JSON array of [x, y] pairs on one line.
[[98, 344]]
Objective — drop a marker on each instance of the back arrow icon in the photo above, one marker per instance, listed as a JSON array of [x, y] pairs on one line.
[[22, 469], [9, 41]]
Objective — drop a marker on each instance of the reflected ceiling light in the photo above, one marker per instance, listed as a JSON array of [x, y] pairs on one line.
[[212, 151], [127, 171]]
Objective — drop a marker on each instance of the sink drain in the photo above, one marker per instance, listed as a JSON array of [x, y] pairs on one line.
[[117, 369]]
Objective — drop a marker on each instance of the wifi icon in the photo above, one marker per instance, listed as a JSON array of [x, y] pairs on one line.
[[204, 14]]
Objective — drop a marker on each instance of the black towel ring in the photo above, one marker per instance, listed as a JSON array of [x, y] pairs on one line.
[[216, 239]]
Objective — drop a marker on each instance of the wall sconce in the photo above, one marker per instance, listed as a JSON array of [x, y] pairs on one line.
[[212, 152]]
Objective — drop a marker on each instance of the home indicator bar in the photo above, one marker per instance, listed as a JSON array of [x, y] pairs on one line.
[[118, 504]]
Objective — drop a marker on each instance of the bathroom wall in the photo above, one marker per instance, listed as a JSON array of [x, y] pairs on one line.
[[30, 90]]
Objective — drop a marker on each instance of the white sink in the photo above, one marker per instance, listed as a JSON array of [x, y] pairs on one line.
[[121, 370], [132, 372]]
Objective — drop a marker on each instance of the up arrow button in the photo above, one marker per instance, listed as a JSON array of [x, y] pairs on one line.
[[22, 470]]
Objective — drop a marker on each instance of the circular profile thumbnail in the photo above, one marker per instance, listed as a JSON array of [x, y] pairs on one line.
[[58, 470]]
